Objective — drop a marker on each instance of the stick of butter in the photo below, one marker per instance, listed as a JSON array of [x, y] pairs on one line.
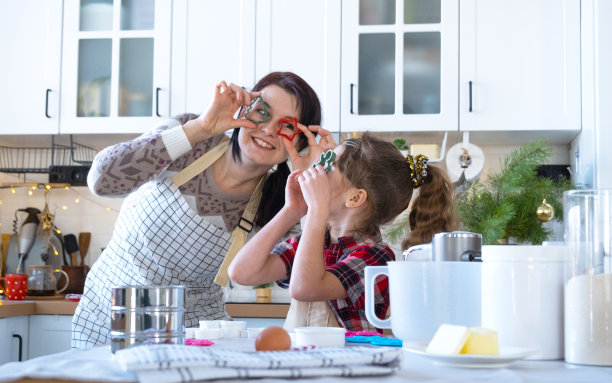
[[481, 341], [448, 340]]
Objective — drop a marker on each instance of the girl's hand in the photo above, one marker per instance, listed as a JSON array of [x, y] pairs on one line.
[[316, 189], [219, 117], [325, 143], [294, 200]]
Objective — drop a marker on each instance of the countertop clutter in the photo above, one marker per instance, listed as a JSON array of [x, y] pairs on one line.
[[62, 306], [99, 365]]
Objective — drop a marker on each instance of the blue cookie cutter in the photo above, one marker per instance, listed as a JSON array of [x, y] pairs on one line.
[[326, 160], [375, 340]]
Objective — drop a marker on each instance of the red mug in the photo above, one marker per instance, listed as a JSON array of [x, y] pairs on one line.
[[15, 286]]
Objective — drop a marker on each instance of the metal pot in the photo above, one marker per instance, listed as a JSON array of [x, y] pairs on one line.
[[147, 315], [452, 246]]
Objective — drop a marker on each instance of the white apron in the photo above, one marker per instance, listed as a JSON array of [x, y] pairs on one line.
[[158, 240]]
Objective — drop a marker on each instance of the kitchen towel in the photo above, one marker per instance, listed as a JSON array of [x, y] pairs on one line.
[[178, 363]]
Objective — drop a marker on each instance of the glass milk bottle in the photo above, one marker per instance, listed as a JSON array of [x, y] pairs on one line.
[[588, 278]]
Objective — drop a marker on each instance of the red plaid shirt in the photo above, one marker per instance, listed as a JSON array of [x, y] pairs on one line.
[[347, 260]]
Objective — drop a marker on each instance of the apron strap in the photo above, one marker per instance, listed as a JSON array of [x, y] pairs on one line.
[[245, 224]]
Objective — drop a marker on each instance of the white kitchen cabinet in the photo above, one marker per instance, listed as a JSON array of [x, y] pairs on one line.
[[31, 33], [115, 65], [520, 65], [49, 334], [303, 37], [13, 339], [212, 41], [399, 65]]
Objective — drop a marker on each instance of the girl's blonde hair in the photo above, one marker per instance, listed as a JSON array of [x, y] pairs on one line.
[[379, 168]]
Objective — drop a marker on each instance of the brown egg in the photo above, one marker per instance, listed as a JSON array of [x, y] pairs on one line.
[[273, 338]]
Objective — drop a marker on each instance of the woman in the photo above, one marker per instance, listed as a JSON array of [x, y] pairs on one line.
[[188, 191]]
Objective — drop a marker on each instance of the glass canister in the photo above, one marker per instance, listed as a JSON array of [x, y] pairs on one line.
[[588, 277], [42, 282]]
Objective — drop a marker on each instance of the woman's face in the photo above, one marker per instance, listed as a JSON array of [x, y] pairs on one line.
[[263, 146]]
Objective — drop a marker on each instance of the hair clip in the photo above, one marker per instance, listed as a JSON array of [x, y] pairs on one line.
[[418, 169], [326, 160]]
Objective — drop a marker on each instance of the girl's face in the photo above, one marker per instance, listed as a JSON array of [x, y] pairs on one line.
[[263, 146], [338, 183]]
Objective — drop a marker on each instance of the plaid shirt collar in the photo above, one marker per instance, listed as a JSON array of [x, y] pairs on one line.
[[348, 244]]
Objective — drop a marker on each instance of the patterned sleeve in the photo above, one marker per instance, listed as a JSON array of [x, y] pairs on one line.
[[351, 273], [122, 168], [286, 252]]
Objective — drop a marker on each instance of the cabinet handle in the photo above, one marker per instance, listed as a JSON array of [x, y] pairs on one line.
[[157, 102], [352, 86], [47, 103], [469, 96], [20, 345]]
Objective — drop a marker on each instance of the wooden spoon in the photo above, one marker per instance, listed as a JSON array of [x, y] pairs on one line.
[[84, 239], [6, 239]]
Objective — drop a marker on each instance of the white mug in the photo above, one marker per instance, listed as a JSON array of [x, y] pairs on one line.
[[522, 296], [425, 295]]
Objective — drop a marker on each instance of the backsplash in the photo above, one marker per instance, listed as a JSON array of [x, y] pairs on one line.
[[77, 210]]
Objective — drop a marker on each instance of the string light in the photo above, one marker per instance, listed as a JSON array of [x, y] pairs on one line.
[[64, 207], [30, 192], [13, 190], [77, 200]]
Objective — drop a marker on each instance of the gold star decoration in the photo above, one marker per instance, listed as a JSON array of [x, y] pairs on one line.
[[46, 220]]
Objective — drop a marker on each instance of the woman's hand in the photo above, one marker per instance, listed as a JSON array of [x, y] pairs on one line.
[[294, 200], [219, 117], [316, 190], [325, 143]]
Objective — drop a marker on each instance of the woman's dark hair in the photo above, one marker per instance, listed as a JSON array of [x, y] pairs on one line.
[[309, 109], [379, 168]]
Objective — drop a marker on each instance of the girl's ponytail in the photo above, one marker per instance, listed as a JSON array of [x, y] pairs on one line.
[[432, 210]]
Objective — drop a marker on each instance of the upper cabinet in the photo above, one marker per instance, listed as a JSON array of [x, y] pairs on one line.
[[31, 49], [211, 41], [399, 65], [115, 65], [520, 65], [303, 37]]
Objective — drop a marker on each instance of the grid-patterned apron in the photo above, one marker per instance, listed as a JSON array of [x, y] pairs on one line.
[[158, 240]]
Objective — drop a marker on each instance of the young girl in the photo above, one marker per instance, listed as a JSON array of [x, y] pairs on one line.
[[368, 185]]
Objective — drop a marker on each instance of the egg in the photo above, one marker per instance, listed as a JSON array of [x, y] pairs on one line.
[[273, 338]]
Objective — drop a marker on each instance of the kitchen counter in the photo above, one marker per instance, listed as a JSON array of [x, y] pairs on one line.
[[62, 306], [98, 365]]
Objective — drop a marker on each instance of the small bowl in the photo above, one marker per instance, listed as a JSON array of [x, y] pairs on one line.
[[319, 336]]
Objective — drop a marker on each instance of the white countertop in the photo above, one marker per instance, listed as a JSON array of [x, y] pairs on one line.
[[98, 365]]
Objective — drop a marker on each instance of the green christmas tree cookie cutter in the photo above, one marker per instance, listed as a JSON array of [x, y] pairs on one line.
[[326, 160], [265, 116]]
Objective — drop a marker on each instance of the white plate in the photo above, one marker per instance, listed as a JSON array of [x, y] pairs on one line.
[[505, 357]]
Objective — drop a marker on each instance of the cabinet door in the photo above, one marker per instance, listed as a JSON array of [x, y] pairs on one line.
[[116, 65], [399, 65], [520, 65], [30, 66], [303, 37], [14, 339], [55, 330], [212, 41]]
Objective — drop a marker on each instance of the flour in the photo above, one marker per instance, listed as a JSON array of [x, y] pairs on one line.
[[588, 319]]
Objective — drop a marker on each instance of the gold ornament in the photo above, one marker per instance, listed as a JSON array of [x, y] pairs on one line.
[[46, 220], [545, 211]]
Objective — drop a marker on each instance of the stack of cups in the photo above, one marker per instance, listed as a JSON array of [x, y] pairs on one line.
[[588, 278]]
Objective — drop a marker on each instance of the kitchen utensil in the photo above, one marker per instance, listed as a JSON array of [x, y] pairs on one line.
[[6, 240], [72, 247], [84, 239], [425, 295], [42, 282], [451, 246], [147, 315], [522, 296], [26, 236]]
